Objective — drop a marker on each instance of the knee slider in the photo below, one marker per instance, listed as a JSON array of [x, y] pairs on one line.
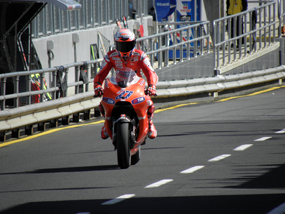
[[150, 111]]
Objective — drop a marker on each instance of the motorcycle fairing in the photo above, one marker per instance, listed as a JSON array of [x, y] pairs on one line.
[[133, 95]]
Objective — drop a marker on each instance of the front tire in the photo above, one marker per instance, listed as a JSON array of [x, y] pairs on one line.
[[123, 145]]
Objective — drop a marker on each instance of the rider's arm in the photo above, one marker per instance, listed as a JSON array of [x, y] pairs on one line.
[[148, 71], [104, 70]]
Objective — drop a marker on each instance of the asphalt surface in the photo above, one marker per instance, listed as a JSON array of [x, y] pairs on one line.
[[217, 157]]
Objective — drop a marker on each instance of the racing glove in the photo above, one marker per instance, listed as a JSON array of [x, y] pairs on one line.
[[151, 90], [98, 90]]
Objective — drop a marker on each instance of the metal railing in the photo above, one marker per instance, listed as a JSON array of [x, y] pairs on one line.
[[93, 13], [58, 76], [281, 15], [192, 39], [57, 89], [238, 35]]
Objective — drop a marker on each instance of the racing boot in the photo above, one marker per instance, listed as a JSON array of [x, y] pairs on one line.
[[152, 133], [104, 133]]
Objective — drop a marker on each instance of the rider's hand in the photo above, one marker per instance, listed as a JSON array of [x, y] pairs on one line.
[[151, 90], [98, 90]]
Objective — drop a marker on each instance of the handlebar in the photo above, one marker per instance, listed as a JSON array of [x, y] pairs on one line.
[[146, 92]]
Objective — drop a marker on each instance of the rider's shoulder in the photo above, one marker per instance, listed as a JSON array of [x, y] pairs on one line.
[[139, 53], [113, 53]]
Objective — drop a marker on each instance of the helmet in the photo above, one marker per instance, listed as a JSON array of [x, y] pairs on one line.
[[125, 42]]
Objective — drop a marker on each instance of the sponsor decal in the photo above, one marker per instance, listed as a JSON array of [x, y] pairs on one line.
[[136, 53], [126, 74], [147, 63], [104, 63], [135, 59], [162, 4], [118, 64], [142, 82], [124, 95], [114, 54], [185, 7], [143, 56], [116, 58], [138, 100], [107, 58], [108, 100]]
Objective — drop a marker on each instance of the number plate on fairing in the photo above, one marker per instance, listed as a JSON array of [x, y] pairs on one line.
[[124, 95]]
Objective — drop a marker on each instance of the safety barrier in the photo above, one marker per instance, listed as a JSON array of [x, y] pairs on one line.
[[41, 113], [218, 83], [30, 115], [59, 82]]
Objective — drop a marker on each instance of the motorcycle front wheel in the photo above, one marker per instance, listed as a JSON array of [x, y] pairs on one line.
[[123, 145]]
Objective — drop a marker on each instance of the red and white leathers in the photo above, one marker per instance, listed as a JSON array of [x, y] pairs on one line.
[[137, 61]]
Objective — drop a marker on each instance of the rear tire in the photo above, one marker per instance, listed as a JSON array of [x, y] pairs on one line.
[[136, 157], [123, 145]]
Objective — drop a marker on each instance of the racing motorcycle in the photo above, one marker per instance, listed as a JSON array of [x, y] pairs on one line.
[[126, 120]]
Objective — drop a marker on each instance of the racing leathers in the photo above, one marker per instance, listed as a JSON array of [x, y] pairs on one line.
[[137, 61]]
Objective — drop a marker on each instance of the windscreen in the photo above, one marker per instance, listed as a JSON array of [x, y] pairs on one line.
[[124, 77]]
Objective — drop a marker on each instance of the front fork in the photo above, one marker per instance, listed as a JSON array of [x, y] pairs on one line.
[[132, 127]]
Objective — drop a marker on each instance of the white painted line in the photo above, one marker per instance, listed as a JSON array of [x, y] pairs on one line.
[[118, 199], [263, 139], [280, 132], [218, 158], [278, 210], [84, 213], [159, 183], [191, 170], [243, 147]]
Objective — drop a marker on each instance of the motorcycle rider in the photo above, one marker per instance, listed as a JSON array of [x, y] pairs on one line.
[[125, 55]]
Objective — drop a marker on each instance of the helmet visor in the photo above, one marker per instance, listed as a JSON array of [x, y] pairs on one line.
[[125, 46]]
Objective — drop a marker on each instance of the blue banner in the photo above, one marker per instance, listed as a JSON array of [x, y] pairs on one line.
[[164, 8]]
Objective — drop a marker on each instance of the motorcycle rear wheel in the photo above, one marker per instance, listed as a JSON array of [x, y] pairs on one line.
[[123, 145]]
